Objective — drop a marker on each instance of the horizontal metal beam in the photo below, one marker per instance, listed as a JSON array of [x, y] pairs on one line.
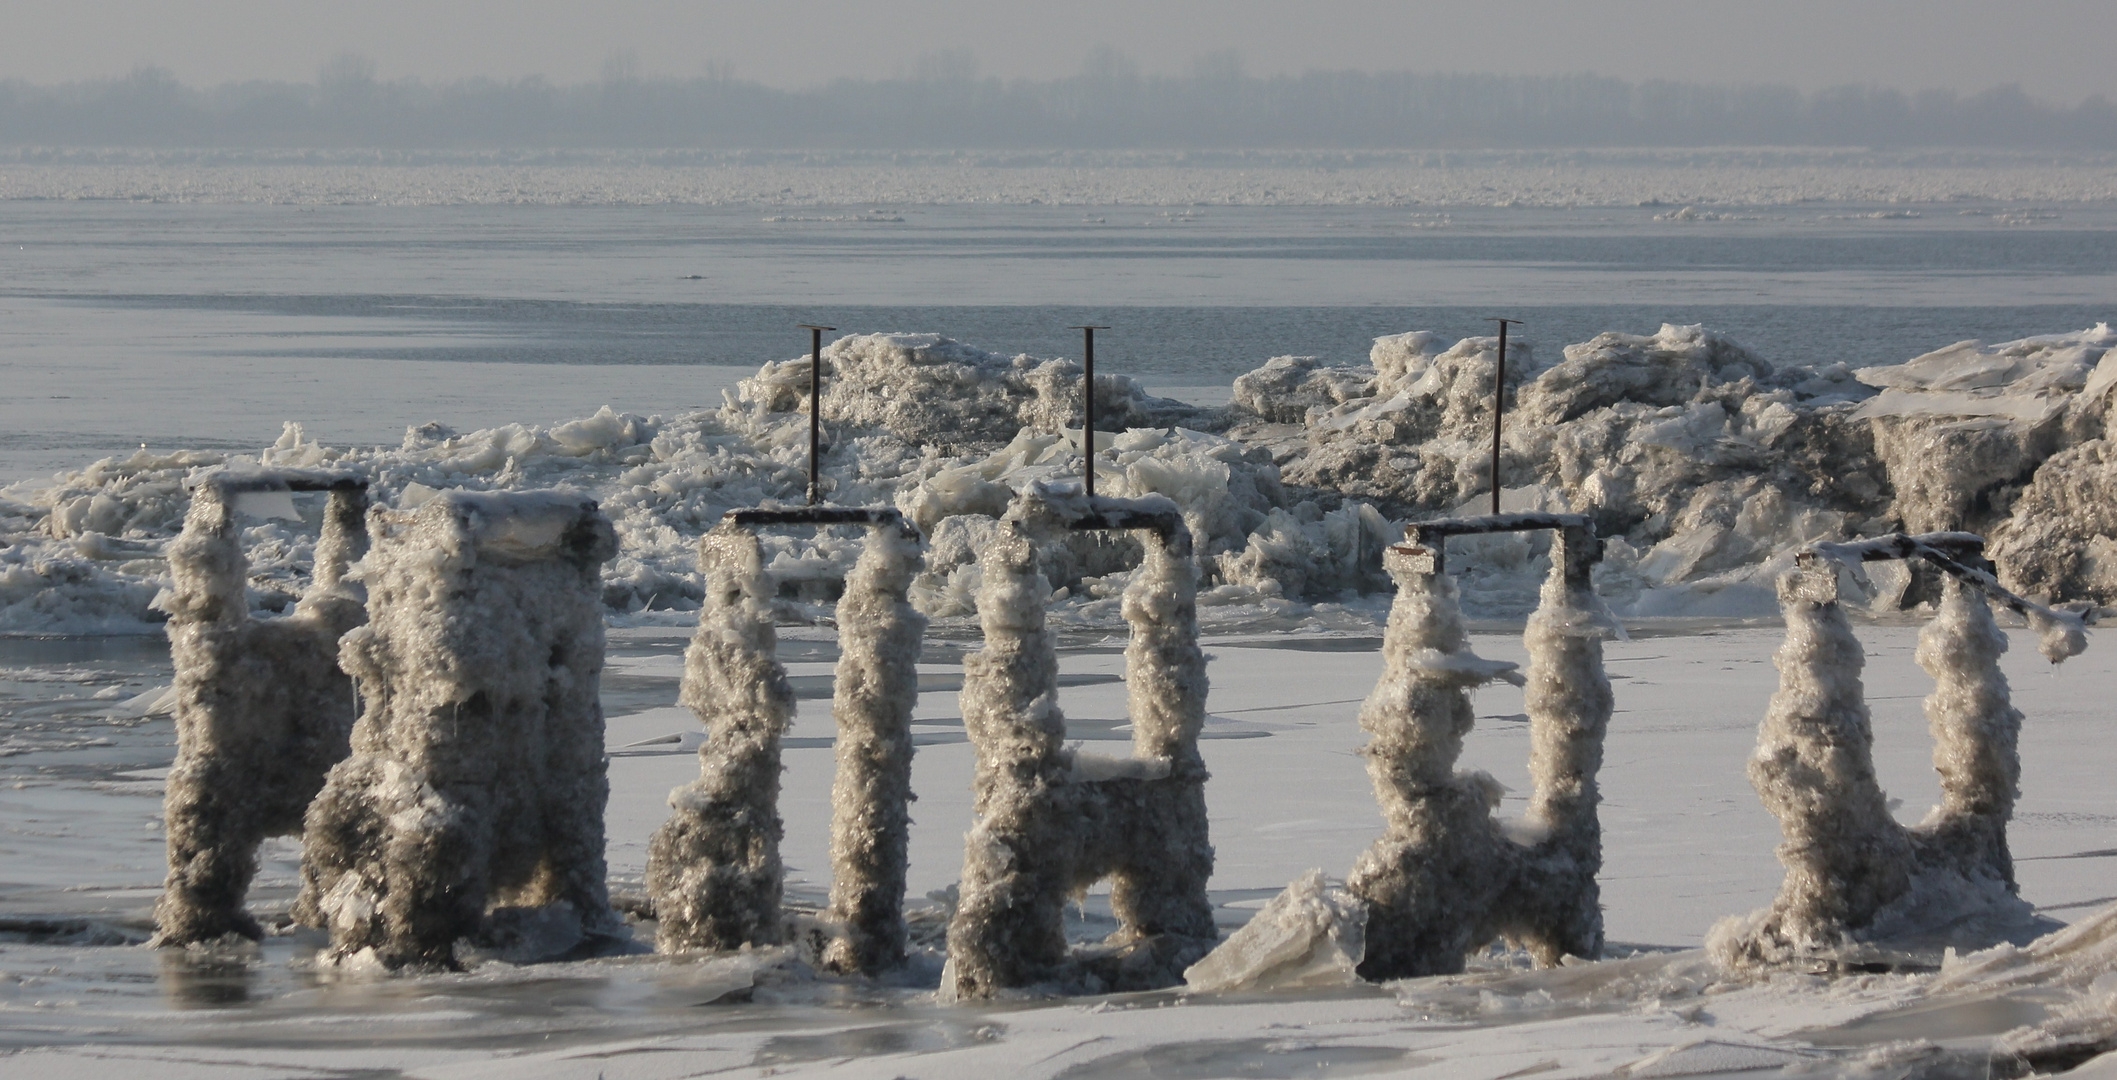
[[760, 517]]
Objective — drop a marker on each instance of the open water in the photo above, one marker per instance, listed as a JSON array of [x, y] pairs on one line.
[[126, 322]]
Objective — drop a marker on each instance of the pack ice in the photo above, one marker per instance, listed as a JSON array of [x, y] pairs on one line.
[[1701, 463]]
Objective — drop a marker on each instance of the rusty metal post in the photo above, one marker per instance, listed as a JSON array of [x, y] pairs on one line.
[[1088, 406], [815, 406], [1499, 406]]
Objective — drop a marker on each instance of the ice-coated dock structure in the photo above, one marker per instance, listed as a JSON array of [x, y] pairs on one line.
[[471, 807], [713, 869], [1448, 877], [1051, 820], [263, 710], [1855, 877]]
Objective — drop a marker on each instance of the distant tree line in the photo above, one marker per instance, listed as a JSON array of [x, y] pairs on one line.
[[1108, 105]]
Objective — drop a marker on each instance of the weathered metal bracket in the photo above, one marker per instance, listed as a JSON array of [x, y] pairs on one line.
[[1961, 555], [1576, 553], [1849, 863]]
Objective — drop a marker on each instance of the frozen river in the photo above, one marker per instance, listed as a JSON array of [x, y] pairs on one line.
[[200, 306], [1685, 843], [206, 325]]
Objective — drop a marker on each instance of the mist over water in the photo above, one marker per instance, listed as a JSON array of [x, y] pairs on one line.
[[1110, 103]]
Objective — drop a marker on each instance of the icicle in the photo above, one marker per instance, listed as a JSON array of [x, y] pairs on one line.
[[1442, 860], [472, 805], [1008, 926], [1976, 732], [1557, 911], [1845, 856], [263, 710]]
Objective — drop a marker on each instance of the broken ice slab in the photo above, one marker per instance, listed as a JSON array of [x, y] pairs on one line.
[[1313, 933]]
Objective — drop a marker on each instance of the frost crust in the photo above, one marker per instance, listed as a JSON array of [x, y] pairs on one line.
[[470, 812], [1047, 825], [262, 707], [1858, 883]]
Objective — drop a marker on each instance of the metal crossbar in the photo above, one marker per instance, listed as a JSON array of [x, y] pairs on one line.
[[284, 480], [1119, 515], [766, 517], [1426, 541]]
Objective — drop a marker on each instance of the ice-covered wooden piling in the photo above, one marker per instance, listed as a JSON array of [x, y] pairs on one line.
[[876, 687], [1051, 820], [713, 869], [1448, 877], [263, 710], [472, 805], [1855, 877]]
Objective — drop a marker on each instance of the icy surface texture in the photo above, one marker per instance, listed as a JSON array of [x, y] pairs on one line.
[[876, 689], [471, 808], [1051, 820], [1857, 882], [1448, 877], [828, 181], [930, 390], [2061, 540], [1312, 934], [713, 868], [2072, 970], [1287, 388], [1963, 429], [262, 709]]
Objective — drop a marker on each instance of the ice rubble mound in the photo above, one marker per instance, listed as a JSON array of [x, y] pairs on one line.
[[1964, 429], [262, 708], [1859, 887], [1697, 459], [1701, 463]]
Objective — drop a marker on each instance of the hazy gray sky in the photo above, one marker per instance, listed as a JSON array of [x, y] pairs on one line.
[[2056, 49]]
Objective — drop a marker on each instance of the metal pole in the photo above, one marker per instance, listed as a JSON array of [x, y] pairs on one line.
[[1499, 407], [815, 406], [1088, 406]]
